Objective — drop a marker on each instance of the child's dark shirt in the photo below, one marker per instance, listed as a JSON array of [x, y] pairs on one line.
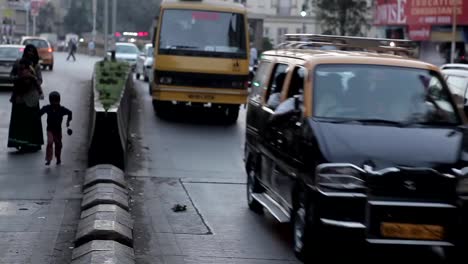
[[55, 116]]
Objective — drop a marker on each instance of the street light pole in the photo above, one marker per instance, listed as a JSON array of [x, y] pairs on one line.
[[114, 18], [106, 27], [454, 32]]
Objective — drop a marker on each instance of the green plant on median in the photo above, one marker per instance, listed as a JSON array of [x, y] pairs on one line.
[[111, 77]]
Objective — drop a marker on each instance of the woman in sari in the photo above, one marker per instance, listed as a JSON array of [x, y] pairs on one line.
[[25, 133]]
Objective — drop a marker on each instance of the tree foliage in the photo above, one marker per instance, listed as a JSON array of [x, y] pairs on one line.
[[131, 15], [342, 17], [79, 17], [47, 19]]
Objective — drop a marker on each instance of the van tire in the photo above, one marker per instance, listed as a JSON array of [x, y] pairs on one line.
[[253, 186], [138, 76]]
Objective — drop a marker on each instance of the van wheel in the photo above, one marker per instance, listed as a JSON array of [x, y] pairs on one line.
[[146, 79], [51, 67], [138, 76], [253, 186], [305, 235]]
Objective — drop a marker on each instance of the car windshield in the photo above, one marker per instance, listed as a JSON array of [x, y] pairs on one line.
[[194, 33], [9, 53], [38, 43], [128, 49], [149, 51], [385, 93]]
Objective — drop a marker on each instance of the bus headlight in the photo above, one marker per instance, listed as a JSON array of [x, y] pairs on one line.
[[346, 177], [165, 80]]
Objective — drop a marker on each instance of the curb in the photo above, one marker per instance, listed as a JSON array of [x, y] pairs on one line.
[[105, 229]]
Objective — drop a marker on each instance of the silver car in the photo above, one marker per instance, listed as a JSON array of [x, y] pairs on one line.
[[144, 64], [8, 55], [456, 76]]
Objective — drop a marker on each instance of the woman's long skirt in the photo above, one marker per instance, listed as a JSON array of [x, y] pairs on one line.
[[25, 130]]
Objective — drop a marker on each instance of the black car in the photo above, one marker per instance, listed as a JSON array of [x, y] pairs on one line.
[[357, 148], [8, 55]]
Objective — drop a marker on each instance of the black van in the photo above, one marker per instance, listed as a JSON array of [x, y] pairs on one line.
[[357, 147]]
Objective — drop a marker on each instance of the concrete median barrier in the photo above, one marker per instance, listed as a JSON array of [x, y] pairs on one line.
[[105, 196], [109, 127], [104, 173], [100, 252]]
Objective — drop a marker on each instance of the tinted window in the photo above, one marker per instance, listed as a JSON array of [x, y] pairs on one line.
[[129, 49], [260, 81], [9, 53], [191, 32], [38, 43], [275, 88], [381, 92], [296, 87]]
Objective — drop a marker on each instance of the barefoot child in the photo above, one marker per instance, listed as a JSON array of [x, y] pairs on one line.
[[55, 113]]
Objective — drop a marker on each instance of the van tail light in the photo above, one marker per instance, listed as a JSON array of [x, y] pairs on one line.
[[51, 50], [21, 49]]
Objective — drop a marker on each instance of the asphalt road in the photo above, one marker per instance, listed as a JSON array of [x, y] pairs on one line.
[[197, 162], [39, 205]]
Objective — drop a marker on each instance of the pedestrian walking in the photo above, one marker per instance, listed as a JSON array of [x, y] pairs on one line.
[[55, 113], [72, 49], [25, 130]]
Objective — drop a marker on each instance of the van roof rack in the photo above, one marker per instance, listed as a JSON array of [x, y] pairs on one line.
[[380, 45]]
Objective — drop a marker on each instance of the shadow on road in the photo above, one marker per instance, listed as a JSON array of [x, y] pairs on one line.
[[195, 116]]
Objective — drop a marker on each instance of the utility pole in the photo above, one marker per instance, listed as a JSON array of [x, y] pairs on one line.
[[454, 32], [34, 25], [94, 19], [28, 7], [114, 21], [106, 27]]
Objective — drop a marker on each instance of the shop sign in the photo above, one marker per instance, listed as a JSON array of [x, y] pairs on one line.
[[419, 32], [420, 12]]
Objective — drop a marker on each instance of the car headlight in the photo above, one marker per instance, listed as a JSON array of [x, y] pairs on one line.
[[345, 177]]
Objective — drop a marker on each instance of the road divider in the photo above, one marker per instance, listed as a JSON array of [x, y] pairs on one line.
[[109, 115], [105, 229]]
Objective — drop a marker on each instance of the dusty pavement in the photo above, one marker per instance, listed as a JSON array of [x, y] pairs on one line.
[[39, 206]]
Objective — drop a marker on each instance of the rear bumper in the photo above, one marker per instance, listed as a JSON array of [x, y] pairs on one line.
[[358, 218], [47, 61], [200, 95]]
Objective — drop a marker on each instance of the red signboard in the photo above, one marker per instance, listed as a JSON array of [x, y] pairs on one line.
[[36, 5], [420, 12], [419, 32]]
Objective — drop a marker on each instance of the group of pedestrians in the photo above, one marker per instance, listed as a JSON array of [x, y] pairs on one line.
[[25, 131]]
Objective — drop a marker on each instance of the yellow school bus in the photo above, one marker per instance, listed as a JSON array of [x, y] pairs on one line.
[[201, 56]]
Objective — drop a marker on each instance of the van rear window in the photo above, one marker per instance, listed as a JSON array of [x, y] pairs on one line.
[[38, 43]]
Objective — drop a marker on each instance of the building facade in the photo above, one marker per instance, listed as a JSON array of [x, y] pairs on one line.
[[282, 17], [429, 23]]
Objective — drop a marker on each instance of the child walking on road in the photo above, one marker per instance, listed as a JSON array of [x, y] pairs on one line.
[[55, 113]]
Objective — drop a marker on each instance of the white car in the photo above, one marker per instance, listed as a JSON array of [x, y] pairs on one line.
[[144, 64], [456, 76], [127, 52]]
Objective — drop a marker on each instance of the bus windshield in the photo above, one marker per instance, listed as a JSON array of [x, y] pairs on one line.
[[203, 33]]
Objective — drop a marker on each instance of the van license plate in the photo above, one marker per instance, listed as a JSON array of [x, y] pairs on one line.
[[412, 231]]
